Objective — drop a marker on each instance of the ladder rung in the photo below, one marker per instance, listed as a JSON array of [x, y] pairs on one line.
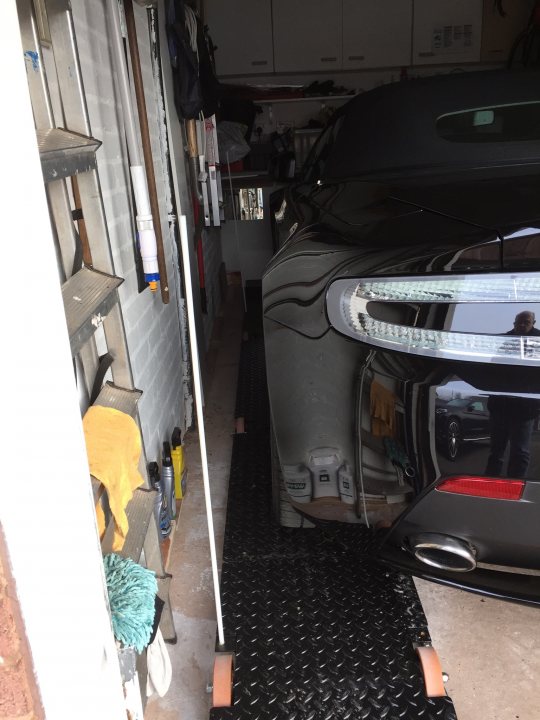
[[166, 624], [139, 513], [64, 153], [119, 398], [88, 296]]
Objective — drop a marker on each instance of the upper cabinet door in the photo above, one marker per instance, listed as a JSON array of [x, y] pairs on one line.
[[242, 33], [447, 31], [376, 33], [307, 35]]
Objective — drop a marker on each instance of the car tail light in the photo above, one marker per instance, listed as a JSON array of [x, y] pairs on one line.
[[357, 309], [495, 488]]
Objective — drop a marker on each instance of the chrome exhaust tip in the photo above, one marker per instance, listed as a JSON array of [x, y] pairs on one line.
[[444, 552]]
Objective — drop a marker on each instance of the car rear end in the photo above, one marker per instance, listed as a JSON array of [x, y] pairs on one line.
[[372, 327], [472, 519]]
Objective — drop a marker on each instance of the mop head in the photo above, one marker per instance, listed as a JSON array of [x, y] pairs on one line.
[[132, 592]]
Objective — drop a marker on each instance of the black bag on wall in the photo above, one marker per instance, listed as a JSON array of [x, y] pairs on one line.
[[196, 88]]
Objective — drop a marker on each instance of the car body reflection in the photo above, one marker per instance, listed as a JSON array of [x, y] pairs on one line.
[[461, 420]]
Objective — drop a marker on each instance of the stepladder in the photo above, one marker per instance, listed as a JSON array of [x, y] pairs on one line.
[[86, 272]]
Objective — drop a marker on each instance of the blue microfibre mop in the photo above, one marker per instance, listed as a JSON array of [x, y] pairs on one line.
[[132, 593]]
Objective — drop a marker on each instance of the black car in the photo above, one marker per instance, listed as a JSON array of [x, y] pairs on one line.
[[407, 267], [460, 421]]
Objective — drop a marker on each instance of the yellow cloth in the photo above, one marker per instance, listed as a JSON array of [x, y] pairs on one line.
[[113, 444], [383, 411]]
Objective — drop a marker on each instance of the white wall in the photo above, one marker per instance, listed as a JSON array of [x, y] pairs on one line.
[[46, 507], [153, 329]]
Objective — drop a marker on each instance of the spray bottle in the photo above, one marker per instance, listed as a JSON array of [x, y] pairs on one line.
[[161, 511], [177, 455], [167, 476]]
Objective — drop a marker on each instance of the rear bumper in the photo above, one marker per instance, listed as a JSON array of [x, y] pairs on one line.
[[515, 587], [502, 532]]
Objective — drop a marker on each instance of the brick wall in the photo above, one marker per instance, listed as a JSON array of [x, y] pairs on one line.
[[19, 697]]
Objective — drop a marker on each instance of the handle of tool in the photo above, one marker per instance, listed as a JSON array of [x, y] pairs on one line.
[[191, 132]]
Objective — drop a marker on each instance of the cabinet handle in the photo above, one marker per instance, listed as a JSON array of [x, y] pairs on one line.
[[426, 54], [328, 59], [259, 62], [356, 57]]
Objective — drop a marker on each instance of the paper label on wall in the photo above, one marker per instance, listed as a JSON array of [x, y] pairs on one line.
[[451, 39]]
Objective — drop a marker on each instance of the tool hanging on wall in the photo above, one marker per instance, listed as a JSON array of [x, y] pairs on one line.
[[218, 170], [197, 166], [197, 93], [196, 88], [194, 170], [147, 148], [144, 183], [212, 160], [198, 246], [203, 175]]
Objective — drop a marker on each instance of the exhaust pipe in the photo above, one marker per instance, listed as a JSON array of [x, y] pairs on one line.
[[444, 552]]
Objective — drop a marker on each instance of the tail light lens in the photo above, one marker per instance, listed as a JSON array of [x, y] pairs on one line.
[[419, 315], [495, 488]]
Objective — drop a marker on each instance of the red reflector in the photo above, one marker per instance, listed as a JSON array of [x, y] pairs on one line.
[[496, 488]]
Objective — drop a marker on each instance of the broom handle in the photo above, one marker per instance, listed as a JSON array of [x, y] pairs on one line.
[[184, 242]]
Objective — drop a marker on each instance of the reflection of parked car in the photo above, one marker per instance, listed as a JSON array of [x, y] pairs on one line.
[[404, 253], [459, 421]]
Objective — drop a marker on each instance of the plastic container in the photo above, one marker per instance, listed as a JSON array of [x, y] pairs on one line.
[[177, 455], [161, 511], [167, 477]]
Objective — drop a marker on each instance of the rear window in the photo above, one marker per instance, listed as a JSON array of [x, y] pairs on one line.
[[501, 123], [458, 403]]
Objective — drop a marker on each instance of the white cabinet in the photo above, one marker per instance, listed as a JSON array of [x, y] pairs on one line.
[[242, 32], [376, 33], [307, 35], [299, 36], [447, 31]]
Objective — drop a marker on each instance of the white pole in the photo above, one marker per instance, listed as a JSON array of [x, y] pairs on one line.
[[117, 45], [144, 220], [184, 242]]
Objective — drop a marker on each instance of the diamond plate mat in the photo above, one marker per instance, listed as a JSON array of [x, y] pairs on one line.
[[320, 632]]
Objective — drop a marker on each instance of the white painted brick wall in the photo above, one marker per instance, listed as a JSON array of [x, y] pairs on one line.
[[153, 329]]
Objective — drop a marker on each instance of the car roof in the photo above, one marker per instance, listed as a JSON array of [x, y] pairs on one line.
[[393, 129]]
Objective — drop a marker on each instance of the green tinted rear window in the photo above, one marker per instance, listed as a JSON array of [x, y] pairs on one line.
[[501, 123]]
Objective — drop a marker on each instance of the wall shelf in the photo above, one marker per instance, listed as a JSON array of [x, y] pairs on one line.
[[318, 98]]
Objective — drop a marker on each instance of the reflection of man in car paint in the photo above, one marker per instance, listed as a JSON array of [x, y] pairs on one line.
[[524, 324], [512, 418]]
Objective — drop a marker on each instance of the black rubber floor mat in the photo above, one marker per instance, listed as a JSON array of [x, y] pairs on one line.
[[319, 630]]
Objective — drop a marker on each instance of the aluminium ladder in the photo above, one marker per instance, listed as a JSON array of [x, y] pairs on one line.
[[89, 287]]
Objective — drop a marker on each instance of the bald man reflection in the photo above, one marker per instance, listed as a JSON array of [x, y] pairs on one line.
[[524, 323], [512, 418]]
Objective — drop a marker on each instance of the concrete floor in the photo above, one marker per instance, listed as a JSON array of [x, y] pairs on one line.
[[490, 649]]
